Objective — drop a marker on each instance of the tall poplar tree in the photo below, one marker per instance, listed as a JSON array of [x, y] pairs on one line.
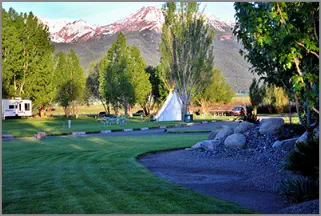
[[187, 51]]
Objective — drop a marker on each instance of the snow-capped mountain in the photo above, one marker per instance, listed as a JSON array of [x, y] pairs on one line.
[[150, 18]]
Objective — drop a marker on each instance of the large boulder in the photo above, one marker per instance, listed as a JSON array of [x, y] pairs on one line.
[[212, 135], [235, 141], [302, 138], [225, 132], [243, 127], [207, 144], [271, 126], [288, 144]]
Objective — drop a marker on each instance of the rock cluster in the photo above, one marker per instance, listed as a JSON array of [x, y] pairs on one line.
[[247, 141]]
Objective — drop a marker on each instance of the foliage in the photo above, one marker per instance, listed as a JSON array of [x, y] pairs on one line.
[[92, 85], [306, 159], [275, 97], [250, 118], [186, 51], [300, 190], [158, 93], [256, 94], [122, 77], [139, 77], [71, 81], [27, 59], [218, 91], [281, 40]]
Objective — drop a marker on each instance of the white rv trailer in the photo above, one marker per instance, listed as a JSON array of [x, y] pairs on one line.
[[16, 107]]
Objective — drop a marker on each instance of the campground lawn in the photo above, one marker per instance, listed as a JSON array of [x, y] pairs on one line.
[[97, 175], [59, 125]]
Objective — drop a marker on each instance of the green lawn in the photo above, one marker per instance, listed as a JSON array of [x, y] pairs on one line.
[[59, 126], [100, 175]]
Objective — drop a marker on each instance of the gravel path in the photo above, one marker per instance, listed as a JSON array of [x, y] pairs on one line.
[[244, 182]]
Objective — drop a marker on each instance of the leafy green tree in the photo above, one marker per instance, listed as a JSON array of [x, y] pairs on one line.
[[27, 59], [186, 51], [256, 93], [275, 97], [158, 93], [92, 85], [115, 75], [219, 91], [281, 40], [139, 78], [71, 87]]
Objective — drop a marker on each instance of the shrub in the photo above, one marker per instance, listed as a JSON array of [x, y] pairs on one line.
[[306, 159], [288, 131], [300, 190], [250, 118]]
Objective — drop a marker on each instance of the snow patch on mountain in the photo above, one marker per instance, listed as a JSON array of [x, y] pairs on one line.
[[68, 31]]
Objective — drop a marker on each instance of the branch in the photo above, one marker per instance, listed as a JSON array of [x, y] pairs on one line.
[[302, 45], [297, 62], [315, 110]]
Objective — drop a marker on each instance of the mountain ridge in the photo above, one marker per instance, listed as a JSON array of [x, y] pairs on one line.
[[143, 29]]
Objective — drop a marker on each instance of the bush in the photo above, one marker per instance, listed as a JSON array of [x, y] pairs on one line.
[[306, 159], [249, 117], [300, 190], [288, 131]]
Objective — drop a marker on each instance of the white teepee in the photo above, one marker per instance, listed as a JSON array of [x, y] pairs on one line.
[[171, 110]]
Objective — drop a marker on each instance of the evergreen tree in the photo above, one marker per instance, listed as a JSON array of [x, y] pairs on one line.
[[187, 51]]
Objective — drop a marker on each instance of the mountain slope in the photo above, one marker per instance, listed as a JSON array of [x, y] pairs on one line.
[[143, 29]]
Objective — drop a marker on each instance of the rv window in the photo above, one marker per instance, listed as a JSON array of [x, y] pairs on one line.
[[27, 107], [11, 106]]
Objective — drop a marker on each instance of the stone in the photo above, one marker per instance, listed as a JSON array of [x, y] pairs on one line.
[[302, 138], [212, 135], [146, 128], [162, 127], [316, 131], [78, 133], [288, 144], [243, 127], [128, 129], [7, 136], [235, 141], [206, 144], [271, 126], [105, 131], [40, 135], [226, 131]]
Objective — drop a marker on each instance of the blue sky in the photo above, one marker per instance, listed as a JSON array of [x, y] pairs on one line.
[[101, 13]]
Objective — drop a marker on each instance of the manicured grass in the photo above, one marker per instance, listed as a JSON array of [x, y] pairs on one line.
[[59, 126], [87, 175]]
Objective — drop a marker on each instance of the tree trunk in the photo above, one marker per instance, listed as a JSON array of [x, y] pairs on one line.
[[146, 110], [125, 108], [108, 108], [290, 113], [42, 112], [184, 111], [115, 109], [255, 110]]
